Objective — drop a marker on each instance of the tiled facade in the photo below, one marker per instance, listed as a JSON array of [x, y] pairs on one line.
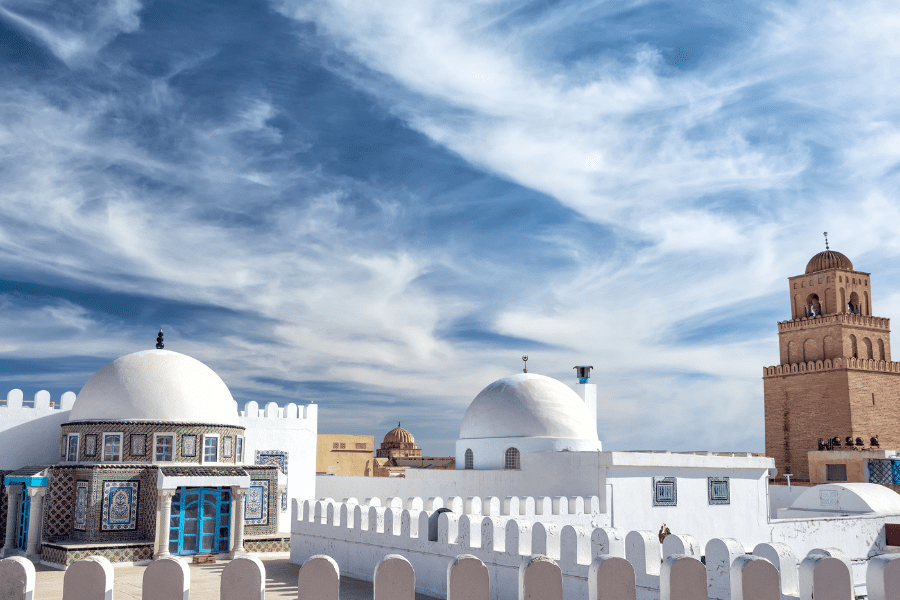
[[266, 477], [60, 521], [137, 439], [60, 555], [4, 502], [268, 545]]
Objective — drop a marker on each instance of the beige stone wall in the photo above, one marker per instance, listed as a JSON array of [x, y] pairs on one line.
[[800, 409], [345, 454], [857, 465], [819, 339], [834, 289]]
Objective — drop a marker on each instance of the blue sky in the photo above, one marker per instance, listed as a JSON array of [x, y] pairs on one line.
[[381, 206]]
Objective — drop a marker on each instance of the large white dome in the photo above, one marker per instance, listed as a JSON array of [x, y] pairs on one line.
[[156, 385], [528, 405]]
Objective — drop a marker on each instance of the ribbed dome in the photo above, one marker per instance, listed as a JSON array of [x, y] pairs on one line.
[[156, 385], [828, 260], [528, 405], [398, 435]]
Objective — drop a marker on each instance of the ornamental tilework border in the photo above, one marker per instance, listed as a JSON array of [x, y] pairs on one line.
[[278, 458], [268, 545], [59, 555], [147, 429]]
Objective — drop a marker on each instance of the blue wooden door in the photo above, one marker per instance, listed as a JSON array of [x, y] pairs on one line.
[[22, 521], [201, 521]]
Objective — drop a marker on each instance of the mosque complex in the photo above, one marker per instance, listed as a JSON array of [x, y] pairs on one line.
[[155, 458]]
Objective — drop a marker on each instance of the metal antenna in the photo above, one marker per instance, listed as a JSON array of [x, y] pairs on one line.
[[525, 358], [159, 341], [826, 240]]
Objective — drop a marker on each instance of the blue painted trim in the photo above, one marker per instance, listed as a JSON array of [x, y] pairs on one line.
[[29, 481]]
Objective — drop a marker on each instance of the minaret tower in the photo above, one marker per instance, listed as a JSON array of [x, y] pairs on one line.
[[835, 378]]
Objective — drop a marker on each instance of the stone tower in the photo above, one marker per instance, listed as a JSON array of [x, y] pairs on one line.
[[835, 377]]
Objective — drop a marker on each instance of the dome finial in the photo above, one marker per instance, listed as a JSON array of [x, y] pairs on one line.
[[826, 240], [525, 359], [159, 341]]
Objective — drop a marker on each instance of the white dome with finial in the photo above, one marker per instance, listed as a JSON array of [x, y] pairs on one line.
[[156, 385]]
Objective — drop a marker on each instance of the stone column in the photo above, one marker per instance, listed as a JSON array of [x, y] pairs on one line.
[[163, 516], [240, 497], [12, 511], [35, 522]]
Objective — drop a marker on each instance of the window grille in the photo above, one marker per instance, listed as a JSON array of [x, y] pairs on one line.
[[512, 459], [336, 446], [836, 472], [210, 449], [343, 446], [470, 459], [112, 447], [362, 446], [164, 447]]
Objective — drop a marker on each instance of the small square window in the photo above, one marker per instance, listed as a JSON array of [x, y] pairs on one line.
[[112, 447], [665, 491], [336, 446], [836, 472], [165, 447], [719, 490], [210, 448]]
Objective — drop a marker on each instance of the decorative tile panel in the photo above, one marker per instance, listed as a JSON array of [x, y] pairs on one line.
[[90, 445], [256, 506], [268, 545], [665, 491], [189, 445], [227, 446], [120, 503], [138, 444], [81, 504], [719, 490], [278, 458]]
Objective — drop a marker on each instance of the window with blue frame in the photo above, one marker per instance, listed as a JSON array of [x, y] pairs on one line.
[[164, 450], [112, 447], [72, 451], [210, 448]]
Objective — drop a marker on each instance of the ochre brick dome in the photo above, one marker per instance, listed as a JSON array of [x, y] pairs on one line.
[[828, 259], [398, 435]]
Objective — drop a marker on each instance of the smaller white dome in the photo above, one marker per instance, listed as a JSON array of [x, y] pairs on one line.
[[528, 405], [156, 385], [849, 498]]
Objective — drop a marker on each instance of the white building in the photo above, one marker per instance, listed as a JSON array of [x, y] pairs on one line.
[[152, 458], [531, 478]]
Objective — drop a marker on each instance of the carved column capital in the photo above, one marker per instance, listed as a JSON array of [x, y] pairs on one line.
[[36, 492]]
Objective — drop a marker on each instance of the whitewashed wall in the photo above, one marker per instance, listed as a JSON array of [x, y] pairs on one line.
[[621, 480], [30, 434], [292, 429]]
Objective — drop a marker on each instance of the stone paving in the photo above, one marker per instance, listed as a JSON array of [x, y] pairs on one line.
[[281, 582]]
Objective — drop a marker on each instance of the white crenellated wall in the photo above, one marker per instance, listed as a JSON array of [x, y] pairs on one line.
[[290, 428], [623, 481], [30, 432], [358, 536], [754, 576]]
